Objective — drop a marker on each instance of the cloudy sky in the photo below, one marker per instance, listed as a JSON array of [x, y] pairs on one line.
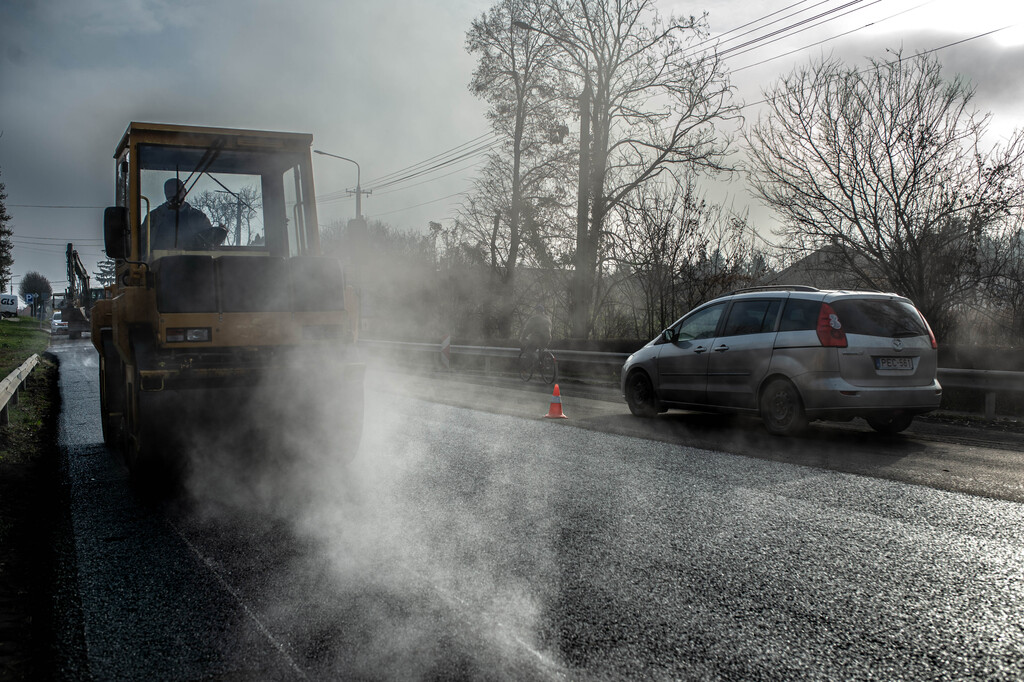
[[379, 81]]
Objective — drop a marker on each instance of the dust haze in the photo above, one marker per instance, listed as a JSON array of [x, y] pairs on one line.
[[410, 543]]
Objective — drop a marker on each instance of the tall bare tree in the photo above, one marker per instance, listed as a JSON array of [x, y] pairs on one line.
[[887, 167], [515, 77], [648, 100]]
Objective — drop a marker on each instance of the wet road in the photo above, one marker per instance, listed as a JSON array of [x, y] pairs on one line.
[[464, 544]]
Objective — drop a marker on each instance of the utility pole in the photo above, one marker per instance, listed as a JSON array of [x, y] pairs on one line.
[[359, 191]]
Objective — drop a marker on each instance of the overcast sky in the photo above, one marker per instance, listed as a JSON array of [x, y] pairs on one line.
[[380, 81]]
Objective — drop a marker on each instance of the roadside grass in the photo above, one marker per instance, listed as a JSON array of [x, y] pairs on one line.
[[28, 505], [19, 339]]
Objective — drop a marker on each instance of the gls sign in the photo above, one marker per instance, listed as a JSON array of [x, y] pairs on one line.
[[8, 305]]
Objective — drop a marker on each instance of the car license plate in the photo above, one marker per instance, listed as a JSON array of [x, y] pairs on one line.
[[894, 363]]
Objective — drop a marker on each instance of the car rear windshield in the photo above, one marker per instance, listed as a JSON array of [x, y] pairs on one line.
[[877, 317]]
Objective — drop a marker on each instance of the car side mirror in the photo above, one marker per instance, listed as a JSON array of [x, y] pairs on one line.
[[668, 336], [115, 232]]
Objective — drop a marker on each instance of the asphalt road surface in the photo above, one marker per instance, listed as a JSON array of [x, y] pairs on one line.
[[478, 541]]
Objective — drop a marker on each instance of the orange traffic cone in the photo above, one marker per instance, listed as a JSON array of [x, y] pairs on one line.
[[555, 412]]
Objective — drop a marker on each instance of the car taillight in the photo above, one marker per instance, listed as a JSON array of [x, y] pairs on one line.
[[830, 329], [931, 334]]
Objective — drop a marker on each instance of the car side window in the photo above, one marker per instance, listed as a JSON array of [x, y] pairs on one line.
[[800, 314], [702, 324], [751, 317]]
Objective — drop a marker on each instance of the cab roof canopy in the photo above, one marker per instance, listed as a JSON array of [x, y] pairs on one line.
[[226, 138]]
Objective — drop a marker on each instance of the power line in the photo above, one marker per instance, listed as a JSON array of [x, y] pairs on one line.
[[432, 201], [451, 155], [807, 28], [400, 183], [50, 206], [919, 54], [37, 250], [718, 42], [57, 239], [415, 166], [831, 38], [475, 164], [718, 37], [786, 29], [475, 151]]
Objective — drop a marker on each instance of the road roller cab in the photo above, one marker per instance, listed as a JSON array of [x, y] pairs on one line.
[[220, 282]]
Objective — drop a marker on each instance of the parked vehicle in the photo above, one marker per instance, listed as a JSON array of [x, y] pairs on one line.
[[57, 324], [8, 305], [792, 355]]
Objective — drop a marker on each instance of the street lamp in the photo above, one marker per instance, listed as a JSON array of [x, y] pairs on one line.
[[359, 189]]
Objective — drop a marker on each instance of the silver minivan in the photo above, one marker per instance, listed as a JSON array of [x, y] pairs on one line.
[[791, 355]]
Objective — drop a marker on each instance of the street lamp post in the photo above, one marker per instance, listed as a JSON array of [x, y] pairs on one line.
[[359, 189]]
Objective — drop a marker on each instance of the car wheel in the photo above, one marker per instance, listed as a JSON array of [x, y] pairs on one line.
[[890, 422], [640, 396], [781, 408]]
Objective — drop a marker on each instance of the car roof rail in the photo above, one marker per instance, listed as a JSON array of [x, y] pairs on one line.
[[775, 287]]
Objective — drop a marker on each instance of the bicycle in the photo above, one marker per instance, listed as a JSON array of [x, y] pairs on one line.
[[541, 362]]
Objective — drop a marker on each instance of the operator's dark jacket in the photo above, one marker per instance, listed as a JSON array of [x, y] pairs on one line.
[[191, 222]]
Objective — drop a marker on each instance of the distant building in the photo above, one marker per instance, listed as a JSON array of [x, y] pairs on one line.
[[826, 268]]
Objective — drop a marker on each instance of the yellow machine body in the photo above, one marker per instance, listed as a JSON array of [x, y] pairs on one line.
[[195, 310]]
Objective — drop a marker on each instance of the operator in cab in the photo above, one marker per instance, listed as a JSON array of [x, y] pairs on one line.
[[177, 225]]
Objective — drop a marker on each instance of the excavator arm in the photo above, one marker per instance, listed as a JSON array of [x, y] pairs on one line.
[[78, 279], [77, 301]]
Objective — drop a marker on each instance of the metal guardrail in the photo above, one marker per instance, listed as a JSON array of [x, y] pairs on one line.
[[992, 382], [489, 352], [11, 385]]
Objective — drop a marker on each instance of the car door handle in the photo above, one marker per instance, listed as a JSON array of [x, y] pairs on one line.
[[699, 349], [721, 348]]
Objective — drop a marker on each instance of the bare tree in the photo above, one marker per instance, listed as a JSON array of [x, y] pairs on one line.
[[677, 250], [233, 210], [648, 100], [515, 77], [657, 226], [1001, 298], [886, 167]]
